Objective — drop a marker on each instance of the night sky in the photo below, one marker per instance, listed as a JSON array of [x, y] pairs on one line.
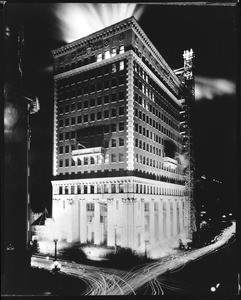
[[210, 31]]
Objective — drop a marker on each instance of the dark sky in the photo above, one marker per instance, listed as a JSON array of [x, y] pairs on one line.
[[210, 31]]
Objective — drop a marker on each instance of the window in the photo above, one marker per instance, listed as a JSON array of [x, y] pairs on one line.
[[85, 160], [60, 163], [79, 105], [99, 57], [99, 116], [121, 49], [155, 206], [106, 128], [86, 117], [79, 162], [72, 189], [67, 149], [113, 157], [121, 65], [121, 80], [121, 126], [146, 206], [86, 104], [79, 119], [67, 108], [121, 95], [92, 102], [113, 143], [113, 82], [113, 188], [121, 188], [66, 163], [113, 68], [92, 189], [113, 52], [67, 122], [66, 135], [113, 97], [90, 206], [60, 149], [72, 134], [107, 54], [92, 160], [121, 142], [113, 127], [60, 190], [72, 162], [121, 157], [106, 114], [106, 99], [61, 123], [92, 117], [99, 101], [73, 107], [106, 84], [113, 112]]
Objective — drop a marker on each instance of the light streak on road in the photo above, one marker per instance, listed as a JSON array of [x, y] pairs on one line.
[[104, 281]]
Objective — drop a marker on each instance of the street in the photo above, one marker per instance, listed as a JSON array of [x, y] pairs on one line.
[[106, 281]]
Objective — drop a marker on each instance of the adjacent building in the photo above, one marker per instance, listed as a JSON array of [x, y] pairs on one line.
[[118, 179]]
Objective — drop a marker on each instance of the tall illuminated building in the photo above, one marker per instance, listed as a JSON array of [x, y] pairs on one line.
[[117, 172]]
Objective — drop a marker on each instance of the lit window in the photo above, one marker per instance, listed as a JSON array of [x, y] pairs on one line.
[[107, 54], [99, 57], [121, 66], [113, 68], [113, 52], [121, 49]]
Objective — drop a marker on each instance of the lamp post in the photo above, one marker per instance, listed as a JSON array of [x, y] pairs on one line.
[[115, 239], [55, 249], [146, 242]]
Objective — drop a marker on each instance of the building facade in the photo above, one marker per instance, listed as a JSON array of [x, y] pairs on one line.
[[117, 176]]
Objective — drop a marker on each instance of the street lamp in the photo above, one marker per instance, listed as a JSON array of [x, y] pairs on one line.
[[55, 249], [115, 239], [146, 242]]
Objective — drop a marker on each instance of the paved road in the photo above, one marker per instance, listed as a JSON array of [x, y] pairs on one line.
[[105, 281]]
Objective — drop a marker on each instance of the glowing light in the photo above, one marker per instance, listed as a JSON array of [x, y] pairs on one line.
[[77, 20], [10, 118], [217, 285], [208, 88], [213, 289]]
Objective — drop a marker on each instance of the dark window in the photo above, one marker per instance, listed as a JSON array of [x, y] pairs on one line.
[[113, 97], [67, 108], [113, 82], [113, 127], [66, 163], [106, 99], [67, 122], [113, 143], [86, 104], [106, 129], [121, 80], [67, 149], [61, 123], [72, 162], [86, 117], [121, 142], [60, 149], [121, 95], [61, 163], [106, 114], [99, 101], [99, 86], [61, 136], [92, 102], [79, 119], [72, 134], [61, 109], [79, 105], [113, 112], [99, 116], [72, 120], [121, 126], [92, 117], [92, 88], [106, 84], [121, 111]]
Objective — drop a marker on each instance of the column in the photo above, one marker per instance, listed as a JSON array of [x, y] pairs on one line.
[[75, 223], [83, 225], [168, 219], [69, 218], [152, 223], [130, 224], [174, 218], [143, 237], [160, 207], [97, 223], [110, 225]]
